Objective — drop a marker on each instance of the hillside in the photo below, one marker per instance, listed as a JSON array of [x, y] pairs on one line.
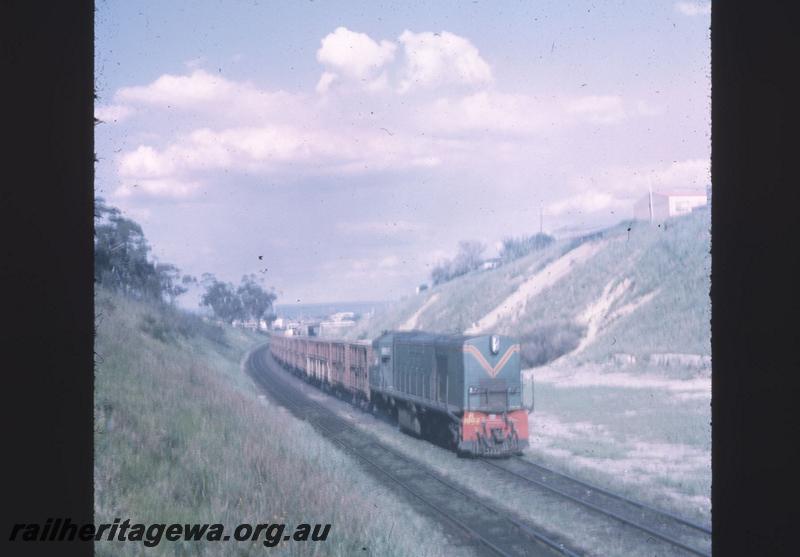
[[634, 295], [182, 435]]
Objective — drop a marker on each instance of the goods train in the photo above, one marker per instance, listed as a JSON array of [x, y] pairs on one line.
[[464, 392]]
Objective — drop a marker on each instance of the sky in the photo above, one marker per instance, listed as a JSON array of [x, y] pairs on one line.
[[340, 150]]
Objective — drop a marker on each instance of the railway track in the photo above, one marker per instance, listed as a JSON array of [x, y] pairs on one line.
[[686, 535], [493, 529]]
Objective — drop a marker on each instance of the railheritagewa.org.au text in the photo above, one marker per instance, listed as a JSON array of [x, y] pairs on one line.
[[270, 535]]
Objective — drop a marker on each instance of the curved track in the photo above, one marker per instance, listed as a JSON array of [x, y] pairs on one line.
[[495, 530], [686, 535]]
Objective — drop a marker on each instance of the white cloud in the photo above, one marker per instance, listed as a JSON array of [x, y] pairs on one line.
[[389, 262], [388, 227], [215, 97], [113, 112], [644, 108], [441, 58], [325, 81], [240, 127], [490, 111], [380, 83], [354, 54], [485, 111], [180, 90], [598, 109], [158, 188], [195, 62], [693, 174], [377, 268], [274, 149], [144, 161], [587, 202], [616, 188], [693, 8]]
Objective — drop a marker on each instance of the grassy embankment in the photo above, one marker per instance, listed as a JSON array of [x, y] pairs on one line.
[[182, 436]]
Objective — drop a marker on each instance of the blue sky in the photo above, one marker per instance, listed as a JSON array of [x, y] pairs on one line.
[[353, 144]]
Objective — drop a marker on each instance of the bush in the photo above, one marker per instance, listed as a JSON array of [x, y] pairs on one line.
[[547, 342], [170, 323], [467, 259], [514, 248], [156, 328]]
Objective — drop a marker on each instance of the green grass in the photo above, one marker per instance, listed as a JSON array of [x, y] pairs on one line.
[[676, 261], [181, 435], [647, 443]]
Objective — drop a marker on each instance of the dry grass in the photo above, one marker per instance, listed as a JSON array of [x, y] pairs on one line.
[[182, 436]]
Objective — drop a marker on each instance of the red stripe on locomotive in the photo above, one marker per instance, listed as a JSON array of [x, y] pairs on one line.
[[475, 423]]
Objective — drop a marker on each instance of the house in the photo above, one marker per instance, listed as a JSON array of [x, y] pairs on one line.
[[659, 206], [491, 264], [422, 288], [342, 316], [251, 324]]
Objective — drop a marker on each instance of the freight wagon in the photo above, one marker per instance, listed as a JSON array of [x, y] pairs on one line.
[[336, 365]]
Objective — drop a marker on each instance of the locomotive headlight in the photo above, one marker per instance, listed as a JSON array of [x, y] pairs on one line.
[[494, 344]]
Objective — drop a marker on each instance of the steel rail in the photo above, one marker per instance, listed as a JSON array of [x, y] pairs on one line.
[[671, 516], [599, 509], [293, 400]]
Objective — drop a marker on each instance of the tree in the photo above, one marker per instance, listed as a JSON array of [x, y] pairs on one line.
[[256, 302], [222, 298], [468, 258], [440, 273], [170, 282], [121, 253], [121, 258], [514, 248]]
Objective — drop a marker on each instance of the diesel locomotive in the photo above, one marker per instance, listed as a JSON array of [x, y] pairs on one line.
[[464, 392]]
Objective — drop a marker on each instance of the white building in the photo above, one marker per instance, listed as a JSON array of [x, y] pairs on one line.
[[343, 316], [658, 206], [251, 324]]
